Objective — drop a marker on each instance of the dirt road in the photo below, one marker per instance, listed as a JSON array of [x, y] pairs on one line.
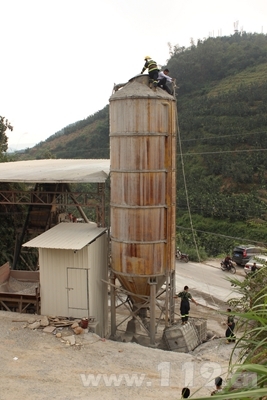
[[36, 365]]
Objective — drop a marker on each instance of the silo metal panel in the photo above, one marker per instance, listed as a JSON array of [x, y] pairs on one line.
[[135, 258], [144, 189], [146, 224], [138, 152], [142, 153]]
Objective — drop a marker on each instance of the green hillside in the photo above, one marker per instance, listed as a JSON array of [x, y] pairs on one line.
[[88, 138], [250, 76], [222, 111]]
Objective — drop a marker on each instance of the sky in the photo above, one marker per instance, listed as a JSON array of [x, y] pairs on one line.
[[61, 58]]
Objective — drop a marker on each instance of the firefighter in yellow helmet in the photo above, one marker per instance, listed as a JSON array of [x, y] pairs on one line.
[[153, 70]]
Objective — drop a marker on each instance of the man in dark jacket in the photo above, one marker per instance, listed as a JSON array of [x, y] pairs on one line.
[[254, 268], [230, 328], [228, 262], [186, 297]]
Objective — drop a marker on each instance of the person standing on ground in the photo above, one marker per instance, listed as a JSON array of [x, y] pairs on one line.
[[218, 385], [230, 328], [163, 78], [254, 268], [186, 297], [153, 70]]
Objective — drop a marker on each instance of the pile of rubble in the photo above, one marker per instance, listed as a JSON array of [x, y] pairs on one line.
[[63, 328]]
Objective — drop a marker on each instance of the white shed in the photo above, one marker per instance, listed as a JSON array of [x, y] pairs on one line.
[[73, 262]]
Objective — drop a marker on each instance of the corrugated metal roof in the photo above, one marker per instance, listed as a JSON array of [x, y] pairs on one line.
[[66, 171], [67, 236]]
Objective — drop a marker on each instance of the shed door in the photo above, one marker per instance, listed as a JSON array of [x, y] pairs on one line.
[[77, 289]]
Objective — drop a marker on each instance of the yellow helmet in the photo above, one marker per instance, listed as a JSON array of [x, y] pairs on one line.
[[147, 58]]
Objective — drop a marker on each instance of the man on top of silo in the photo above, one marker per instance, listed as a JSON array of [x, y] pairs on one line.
[[153, 70], [163, 79]]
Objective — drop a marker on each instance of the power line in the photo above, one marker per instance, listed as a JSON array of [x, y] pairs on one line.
[[221, 235], [185, 187], [182, 141], [178, 154], [222, 152], [223, 136]]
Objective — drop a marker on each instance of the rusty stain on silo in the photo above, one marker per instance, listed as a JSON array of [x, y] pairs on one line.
[[143, 185]]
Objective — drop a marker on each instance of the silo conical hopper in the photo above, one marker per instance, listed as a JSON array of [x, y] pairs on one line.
[[143, 185]]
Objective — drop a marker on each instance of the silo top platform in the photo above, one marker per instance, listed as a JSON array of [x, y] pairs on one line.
[[137, 87]]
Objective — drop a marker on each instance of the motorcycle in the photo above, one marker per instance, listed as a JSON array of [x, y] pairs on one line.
[[181, 256], [230, 267]]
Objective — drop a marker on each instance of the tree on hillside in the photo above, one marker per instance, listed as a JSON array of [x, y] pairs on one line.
[[7, 215], [4, 125], [215, 58]]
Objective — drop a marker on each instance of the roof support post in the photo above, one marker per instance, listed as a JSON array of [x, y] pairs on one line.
[[75, 201]]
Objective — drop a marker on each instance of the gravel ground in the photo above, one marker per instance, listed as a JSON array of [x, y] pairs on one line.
[[15, 286], [37, 365]]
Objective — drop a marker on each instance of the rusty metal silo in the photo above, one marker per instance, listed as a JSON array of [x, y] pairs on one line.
[[143, 187]]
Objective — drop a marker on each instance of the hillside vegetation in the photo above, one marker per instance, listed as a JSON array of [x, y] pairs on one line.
[[222, 141], [88, 138]]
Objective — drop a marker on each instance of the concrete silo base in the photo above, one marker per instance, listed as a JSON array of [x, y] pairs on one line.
[[133, 326], [145, 317]]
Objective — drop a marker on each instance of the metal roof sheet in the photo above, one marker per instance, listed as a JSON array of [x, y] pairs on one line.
[[67, 236], [67, 171]]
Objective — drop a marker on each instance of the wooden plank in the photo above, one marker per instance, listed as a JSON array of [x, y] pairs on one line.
[[49, 329], [6, 299], [63, 323], [4, 305], [25, 276]]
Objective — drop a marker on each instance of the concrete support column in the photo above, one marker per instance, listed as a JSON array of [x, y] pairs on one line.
[[153, 286]]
